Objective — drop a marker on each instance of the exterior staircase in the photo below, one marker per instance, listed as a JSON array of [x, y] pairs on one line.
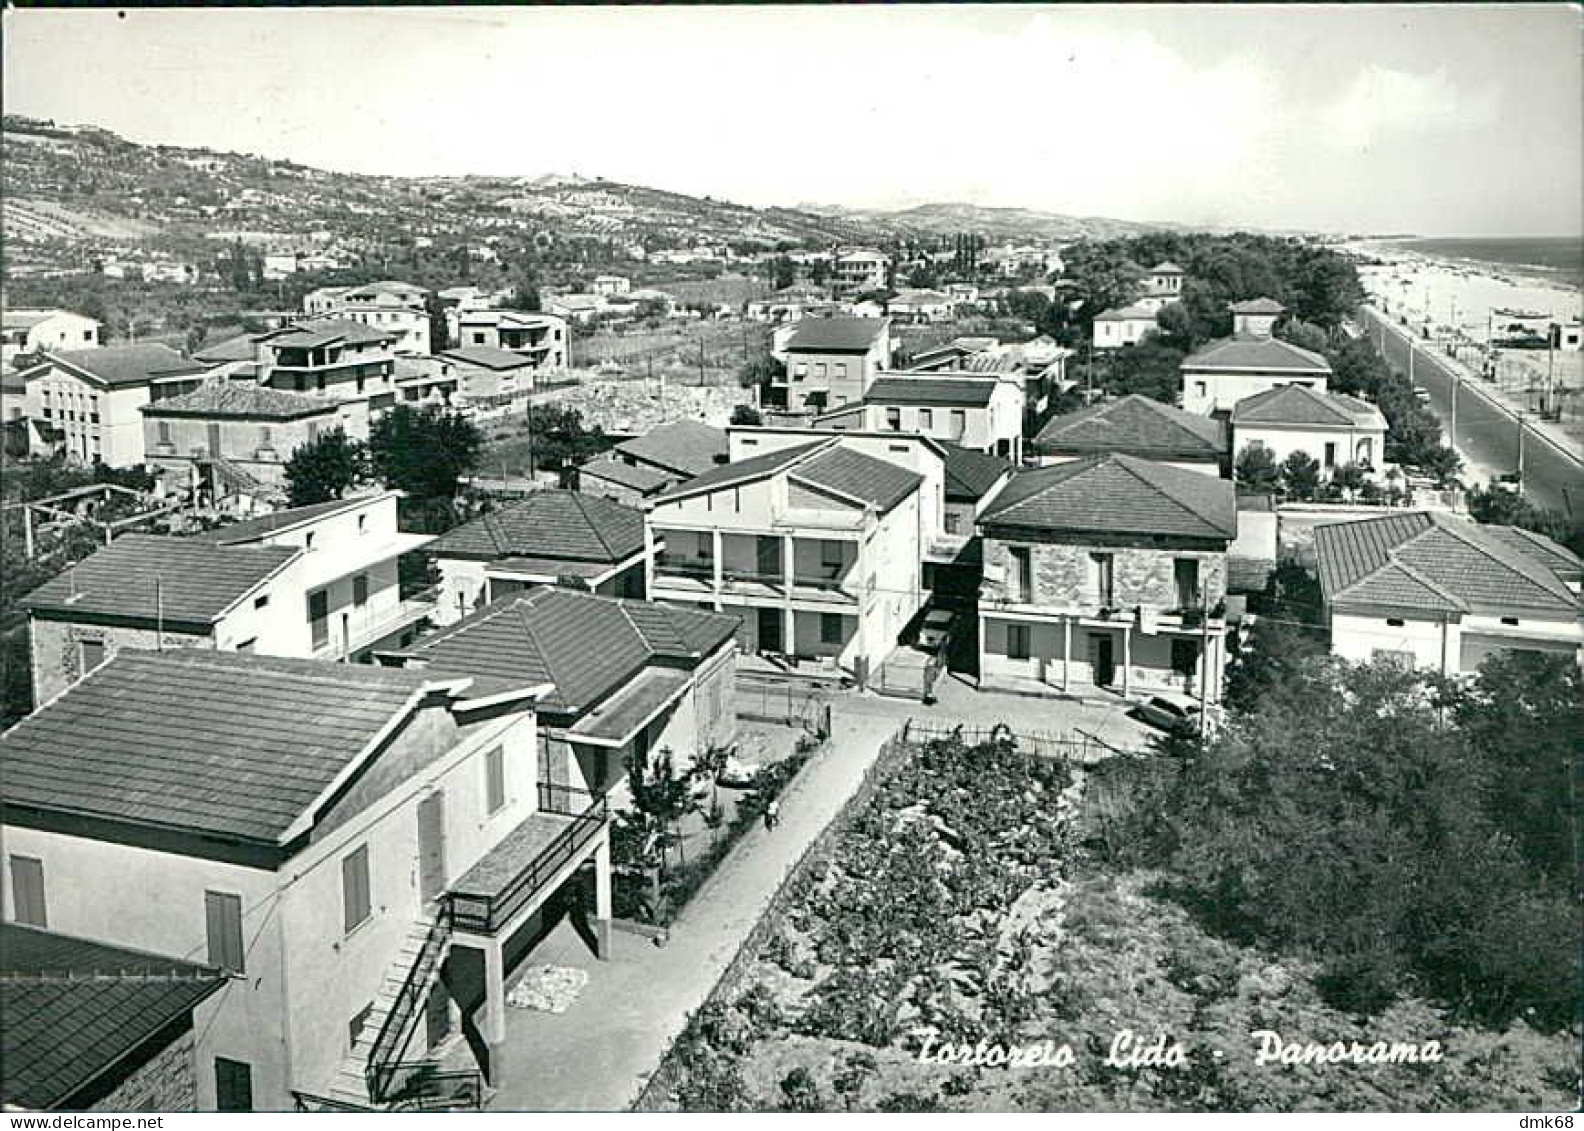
[[398, 1010]]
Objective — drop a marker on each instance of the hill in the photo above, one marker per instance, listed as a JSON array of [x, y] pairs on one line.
[[71, 191]]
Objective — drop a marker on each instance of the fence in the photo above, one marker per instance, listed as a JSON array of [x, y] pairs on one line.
[[790, 703], [1078, 747]]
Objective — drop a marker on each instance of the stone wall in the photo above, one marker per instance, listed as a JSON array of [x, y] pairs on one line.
[[1064, 577], [57, 655], [165, 1082]]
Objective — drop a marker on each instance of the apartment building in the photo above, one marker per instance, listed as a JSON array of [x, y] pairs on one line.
[[317, 581], [87, 403], [345, 362], [92, 1027], [816, 543], [1252, 361], [624, 678], [358, 848], [542, 338], [981, 413], [831, 361], [607, 285], [1433, 591], [390, 306], [1107, 572], [859, 269], [550, 538], [1136, 425], [32, 331]]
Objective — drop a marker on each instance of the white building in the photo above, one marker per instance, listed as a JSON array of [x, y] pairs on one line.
[[1251, 361], [396, 308], [1122, 326], [1330, 428], [29, 331]]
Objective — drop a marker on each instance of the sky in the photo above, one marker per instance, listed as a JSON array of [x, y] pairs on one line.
[[1454, 120]]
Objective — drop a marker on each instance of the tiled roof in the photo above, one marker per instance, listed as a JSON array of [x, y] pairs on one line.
[[1135, 425], [1430, 561], [1262, 354], [118, 366], [26, 319], [487, 357], [742, 471], [520, 318], [841, 333], [1562, 561], [1118, 494], [1258, 306], [223, 744], [858, 476], [683, 447], [243, 347], [549, 524], [954, 392], [239, 398], [314, 332], [635, 476], [920, 298], [196, 581], [253, 529], [586, 646], [1126, 314], [969, 474], [1299, 404], [74, 1008], [1166, 268]]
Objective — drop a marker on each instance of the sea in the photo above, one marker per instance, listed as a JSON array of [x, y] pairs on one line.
[[1558, 260]]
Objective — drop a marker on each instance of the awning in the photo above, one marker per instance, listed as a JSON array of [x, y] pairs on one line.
[[623, 715]]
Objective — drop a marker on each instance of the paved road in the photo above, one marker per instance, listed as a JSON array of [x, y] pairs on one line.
[[1487, 434]]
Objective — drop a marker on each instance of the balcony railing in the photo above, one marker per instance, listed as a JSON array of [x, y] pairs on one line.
[[365, 626], [674, 567], [773, 578], [488, 914], [822, 583], [567, 800], [384, 1062]]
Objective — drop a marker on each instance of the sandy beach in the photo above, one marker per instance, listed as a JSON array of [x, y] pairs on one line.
[[1459, 295]]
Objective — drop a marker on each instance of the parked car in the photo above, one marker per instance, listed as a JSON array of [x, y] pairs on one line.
[[935, 629], [739, 774], [1174, 714], [1421, 394]]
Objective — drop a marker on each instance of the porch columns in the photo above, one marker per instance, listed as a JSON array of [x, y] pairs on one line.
[[787, 557], [602, 896], [1066, 653], [981, 629], [494, 995], [1127, 661], [649, 561], [715, 565]]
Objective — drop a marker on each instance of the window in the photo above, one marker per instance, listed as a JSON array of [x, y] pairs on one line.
[[1330, 455], [953, 522], [362, 524], [1017, 641], [1105, 578], [1185, 572], [1394, 622], [261, 601], [1022, 573], [1184, 656], [355, 888], [308, 540], [494, 779], [90, 654], [959, 423], [233, 1085], [264, 436], [894, 419], [800, 371], [27, 891], [1513, 621], [355, 1026], [926, 419], [223, 920], [830, 628], [1199, 388], [164, 431], [360, 590], [831, 556]]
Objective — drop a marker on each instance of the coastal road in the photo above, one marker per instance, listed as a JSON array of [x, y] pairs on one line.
[[1487, 433]]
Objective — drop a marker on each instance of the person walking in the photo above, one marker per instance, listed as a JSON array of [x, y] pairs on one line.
[[772, 814]]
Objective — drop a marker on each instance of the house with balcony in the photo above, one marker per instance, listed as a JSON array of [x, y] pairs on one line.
[[33, 331], [981, 413], [229, 437], [346, 363], [1429, 590], [859, 269], [831, 361], [1251, 361], [390, 306], [428, 382], [622, 677], [1106, 574], [552, 537], [815, 544], [1333, 429], [1162, 286], [1136, 425], [542, 338], [317, 581], [363, 851], [93, 1027], [86, 404]]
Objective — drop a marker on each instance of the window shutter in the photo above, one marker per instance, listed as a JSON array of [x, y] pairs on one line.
[[27, 891], [355, 888], [223, 920], [233, 1085], [495, 773]]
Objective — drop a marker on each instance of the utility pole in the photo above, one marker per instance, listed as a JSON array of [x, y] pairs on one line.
[[1204, 666], [1519, 416], [1453, 427]]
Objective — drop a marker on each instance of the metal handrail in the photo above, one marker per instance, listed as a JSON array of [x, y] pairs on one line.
[[426, 1088], [385, 1052], [558, 797], [488, 914]]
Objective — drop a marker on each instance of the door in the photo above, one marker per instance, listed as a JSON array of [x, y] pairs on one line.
[[767, 557], [1100, 658], [319, 617], [431, 846], [214, 439], [1330, 455], [770, 631]]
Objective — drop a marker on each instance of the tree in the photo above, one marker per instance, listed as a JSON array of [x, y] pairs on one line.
[[324, 468], [439, 328], [1304, 335], [1348, 480], [1300, 474], [559, 438], [661, 794], [424, 452], [1495, 505], [746, 414], [1152, 368], [1255, 469], [783, 273], [525, 297], [759, 372]]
